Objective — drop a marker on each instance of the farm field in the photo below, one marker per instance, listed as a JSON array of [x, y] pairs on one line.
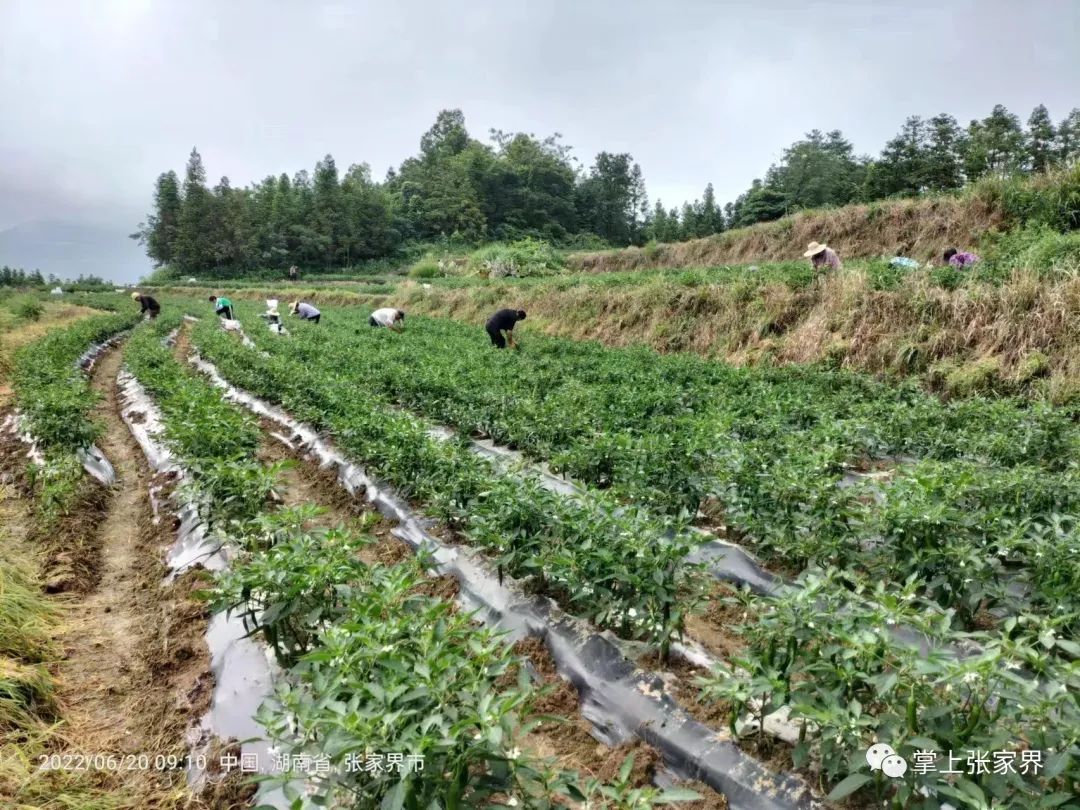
[[488, 721], [916, 560], [947, 532]]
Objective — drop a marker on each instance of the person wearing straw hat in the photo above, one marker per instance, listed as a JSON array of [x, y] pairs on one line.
[[147, 304], [305, 311], [822, 256], [273, 317]]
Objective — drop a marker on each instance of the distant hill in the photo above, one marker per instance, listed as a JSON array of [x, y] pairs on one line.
[[69, 249]]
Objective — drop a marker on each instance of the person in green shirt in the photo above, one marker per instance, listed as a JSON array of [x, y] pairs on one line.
[[222, 306]]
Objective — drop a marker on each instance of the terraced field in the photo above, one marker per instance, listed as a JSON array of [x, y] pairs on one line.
[[735, 581], [881, 508]]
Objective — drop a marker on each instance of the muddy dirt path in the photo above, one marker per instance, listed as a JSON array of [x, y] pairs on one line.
[[136, 669]]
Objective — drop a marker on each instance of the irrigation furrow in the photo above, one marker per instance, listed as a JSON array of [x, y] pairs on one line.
[[621, 700], [725, 561], [243, 671], [134, 670]]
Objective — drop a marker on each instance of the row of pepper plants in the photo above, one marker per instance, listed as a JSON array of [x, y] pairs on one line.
[[639, 583], [56, 402], [992, 499], [826, 650], [373, 665]]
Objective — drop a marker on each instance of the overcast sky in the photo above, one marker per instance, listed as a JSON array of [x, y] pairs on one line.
[[97, 98]]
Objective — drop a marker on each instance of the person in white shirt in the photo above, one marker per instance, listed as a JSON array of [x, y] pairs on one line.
[[392, 319]]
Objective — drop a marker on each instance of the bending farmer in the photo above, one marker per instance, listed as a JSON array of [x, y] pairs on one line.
[[147, 304], [501, 327], [305, 311], [392, 319], [959, 259], [222, 306], [822, 256]]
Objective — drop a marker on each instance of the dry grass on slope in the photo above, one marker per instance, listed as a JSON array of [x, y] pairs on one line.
[[917, 228], [1022, 336], [921, 228]]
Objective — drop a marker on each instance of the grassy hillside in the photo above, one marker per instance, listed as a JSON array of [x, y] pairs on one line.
[[1008, 326], [1017, 336], [920, 228], [1021, 336]]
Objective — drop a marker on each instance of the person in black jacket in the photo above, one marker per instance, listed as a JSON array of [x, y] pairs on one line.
[[500, 327], [148, 304]]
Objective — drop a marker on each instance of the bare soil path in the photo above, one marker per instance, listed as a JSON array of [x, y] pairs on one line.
[[135, 673]]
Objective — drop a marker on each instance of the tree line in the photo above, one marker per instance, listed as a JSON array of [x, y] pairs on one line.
[[927, 155], [462, 191], [456, 189], [17, 277]]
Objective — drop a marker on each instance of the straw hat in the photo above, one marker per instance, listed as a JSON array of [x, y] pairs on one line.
[[135, 295], [295, 305], [813, 249]]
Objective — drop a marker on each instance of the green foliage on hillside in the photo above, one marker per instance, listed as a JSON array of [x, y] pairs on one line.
[[459, 193]]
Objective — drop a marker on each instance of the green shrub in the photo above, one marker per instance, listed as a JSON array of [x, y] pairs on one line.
[[1052, 201], [1033, 366], [375, 289], [53, 396], [26, 307], [980, 377], [584, 241], [1036, 247], [425, 268], [949, 277], [525, 257], [884, 276]]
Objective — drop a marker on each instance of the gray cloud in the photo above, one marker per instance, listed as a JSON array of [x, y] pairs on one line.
[[99, 97]]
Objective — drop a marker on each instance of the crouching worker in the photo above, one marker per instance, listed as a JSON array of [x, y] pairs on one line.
[[273, 317], [822, 257], [150, 308], [305, 311], [222, 307], [959, 258], [392, 319], [500, 327]]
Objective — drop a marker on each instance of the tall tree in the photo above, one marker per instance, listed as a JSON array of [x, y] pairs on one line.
[[370, 231], [1040, 139], [689, 221], [446, 138], [763, 202], [819, 170], [327, 208], [533, 183], [995, 145], [902, 167], [159, 232], [944, 153], [609, 201], [712, 218], [1068, 139], [192, 250]]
